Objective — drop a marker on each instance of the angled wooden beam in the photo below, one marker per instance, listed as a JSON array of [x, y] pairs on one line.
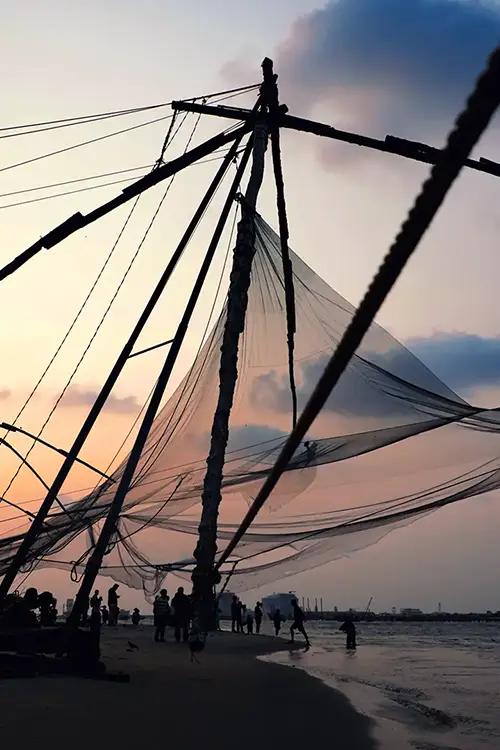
[[78, 220]]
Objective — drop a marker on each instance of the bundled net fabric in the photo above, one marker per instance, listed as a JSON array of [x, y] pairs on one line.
[[392, 443]]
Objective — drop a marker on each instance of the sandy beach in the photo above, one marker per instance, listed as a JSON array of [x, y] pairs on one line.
[[230, 699]]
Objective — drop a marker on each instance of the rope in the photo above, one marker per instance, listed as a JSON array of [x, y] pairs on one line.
[[291, 324], [118, 113], [469, 126]]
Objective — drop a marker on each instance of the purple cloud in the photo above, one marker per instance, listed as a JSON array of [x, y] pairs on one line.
[[78, 395]]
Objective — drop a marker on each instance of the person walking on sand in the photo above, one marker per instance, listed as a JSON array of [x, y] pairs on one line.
[[182, 611], [258, 616], [136, 617], [349, 628], [234, 614], [298, 622], [113, 604], [276, 618], [161, 612]]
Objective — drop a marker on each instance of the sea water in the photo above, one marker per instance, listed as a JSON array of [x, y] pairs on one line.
[[427, 686]]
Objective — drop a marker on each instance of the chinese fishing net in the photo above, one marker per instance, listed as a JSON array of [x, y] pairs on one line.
[[392, 444]]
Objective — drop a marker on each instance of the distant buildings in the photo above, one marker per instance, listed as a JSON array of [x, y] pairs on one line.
[[283, 602], [410, 612], [225, 600]]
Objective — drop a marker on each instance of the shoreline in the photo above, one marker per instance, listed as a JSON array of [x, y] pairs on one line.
[[231, 698]]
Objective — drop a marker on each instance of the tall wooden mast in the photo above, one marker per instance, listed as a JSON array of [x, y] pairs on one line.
[[204, 576]]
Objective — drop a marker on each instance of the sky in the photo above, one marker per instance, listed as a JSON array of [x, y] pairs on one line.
[[375, 66]]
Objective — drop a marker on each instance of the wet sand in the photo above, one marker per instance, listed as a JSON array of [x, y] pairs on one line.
[[230, 700]]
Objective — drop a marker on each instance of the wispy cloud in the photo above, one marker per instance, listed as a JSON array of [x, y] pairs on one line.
[[79, 395]]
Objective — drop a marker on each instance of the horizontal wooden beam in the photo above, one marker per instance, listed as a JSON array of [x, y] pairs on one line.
[[390, 145]]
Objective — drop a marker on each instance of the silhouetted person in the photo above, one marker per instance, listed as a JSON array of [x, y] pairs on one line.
[[249, 621], [239, 616], [258, 616], [182, 611], [161, 612], [234, 613], [105, 614], [276, 618], [311, 448], [95, 600], [136, 617], [46, 604], [298, 622], [95, 617], [349, 628], [114, 610]]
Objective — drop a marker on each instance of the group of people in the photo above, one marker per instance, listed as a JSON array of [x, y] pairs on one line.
[[244, 617], [100, 614], [21, 611], [176, 613]]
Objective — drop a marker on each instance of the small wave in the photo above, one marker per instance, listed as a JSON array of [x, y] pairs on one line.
[[435, 715]]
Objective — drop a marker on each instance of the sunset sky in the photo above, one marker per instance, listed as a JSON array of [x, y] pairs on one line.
[[402, 67]]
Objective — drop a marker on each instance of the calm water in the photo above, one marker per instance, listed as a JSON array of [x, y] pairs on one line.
[[428, 686]]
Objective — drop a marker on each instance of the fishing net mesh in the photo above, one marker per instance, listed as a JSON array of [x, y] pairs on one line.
[[392, 443]]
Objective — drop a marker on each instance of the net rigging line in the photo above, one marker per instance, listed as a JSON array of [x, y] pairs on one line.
[[113, 134], [132, 110], [220, 152], [105, 314], [469, 126]]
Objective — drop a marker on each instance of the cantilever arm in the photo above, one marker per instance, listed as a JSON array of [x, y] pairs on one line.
[[78, 220], [390, 145]]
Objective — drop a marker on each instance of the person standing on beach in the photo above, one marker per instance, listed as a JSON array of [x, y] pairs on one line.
[[161, 612], [182, 611], [349, 628], [258, 616], [234, 613], [239, 616], [113, 604], [96, 600], [298, 622], [105, 614], [276, 618], [95, 617], [249, 621]]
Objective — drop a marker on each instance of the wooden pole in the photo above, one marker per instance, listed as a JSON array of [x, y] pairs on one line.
[[22, 552], [204, 576]]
